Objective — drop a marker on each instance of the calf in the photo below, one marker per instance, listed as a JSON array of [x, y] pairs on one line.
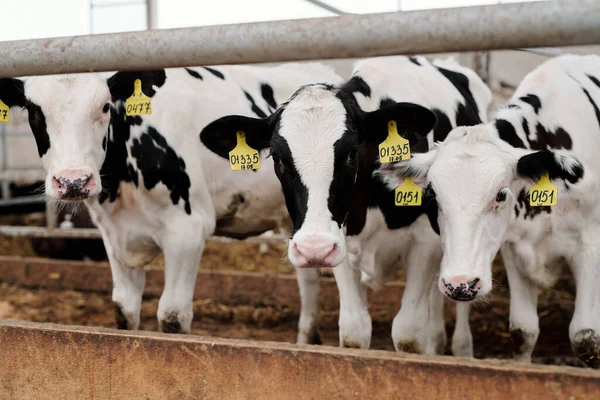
[[148, 183], [345, 218], [482, 178]]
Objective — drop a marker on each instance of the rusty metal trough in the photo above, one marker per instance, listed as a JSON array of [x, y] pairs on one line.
[[57, 361], [98, 363]]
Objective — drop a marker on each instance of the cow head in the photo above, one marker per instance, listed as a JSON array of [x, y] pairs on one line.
[[475, 177], [70, 117], [315, 140]]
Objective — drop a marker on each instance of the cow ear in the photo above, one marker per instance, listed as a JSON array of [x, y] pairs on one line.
[[532, 166], [121, 83], [413, 121], [220, 136], [12, 92]]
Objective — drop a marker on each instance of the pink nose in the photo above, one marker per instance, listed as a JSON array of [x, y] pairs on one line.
[[73, 185], [461, 288], [315, 251]]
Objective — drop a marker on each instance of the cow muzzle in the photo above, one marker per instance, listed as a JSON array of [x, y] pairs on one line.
[[73, 185], [316, 251]]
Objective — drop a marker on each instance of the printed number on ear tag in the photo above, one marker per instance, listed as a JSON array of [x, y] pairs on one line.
[[409, 194], [394, 148], [243, 157], [543, 193], [4, 112], [138, 103]]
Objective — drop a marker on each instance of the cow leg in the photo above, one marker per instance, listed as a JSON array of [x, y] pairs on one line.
[[584, 330], [182, 246], [128, 287], [523, 320], [355, 321], [462, 339], [308, 325], [413, 327]]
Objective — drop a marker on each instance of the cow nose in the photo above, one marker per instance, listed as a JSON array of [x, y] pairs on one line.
[[315, 251], [73, 185], [461, 288]]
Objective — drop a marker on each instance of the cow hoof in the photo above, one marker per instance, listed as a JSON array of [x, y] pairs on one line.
[[170, 324], [120, 319], [586, 346], [408, 346], [522, 344], [312, 337], [350, 344]]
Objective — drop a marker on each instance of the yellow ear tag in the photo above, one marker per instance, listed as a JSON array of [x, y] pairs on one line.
[[243, 157], [138, 103], [408, 194], [4, 112], [543, 193], [394, 148]]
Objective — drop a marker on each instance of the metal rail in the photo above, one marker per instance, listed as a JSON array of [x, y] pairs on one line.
[[504, 26], [92, 233]]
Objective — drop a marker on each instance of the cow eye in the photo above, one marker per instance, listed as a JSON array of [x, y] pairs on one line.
[[501, 196], [106, 108], [353, 156]]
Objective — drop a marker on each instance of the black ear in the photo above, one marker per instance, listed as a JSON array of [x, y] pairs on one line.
[[413, 121], [534, 165], [12, 92], [220, 135], [121, 83]]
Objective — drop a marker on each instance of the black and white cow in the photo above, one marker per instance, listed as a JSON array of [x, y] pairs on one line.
[[345, 218], [482, 177], [147, 181]]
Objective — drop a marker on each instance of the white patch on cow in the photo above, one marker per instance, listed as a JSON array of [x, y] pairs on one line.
[[311, 124]]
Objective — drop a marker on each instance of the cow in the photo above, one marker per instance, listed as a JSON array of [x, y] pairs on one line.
[[147, 182], [342, 216], [482, 178]]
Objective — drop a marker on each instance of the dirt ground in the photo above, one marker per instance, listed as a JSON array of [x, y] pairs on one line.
[[489, 319]]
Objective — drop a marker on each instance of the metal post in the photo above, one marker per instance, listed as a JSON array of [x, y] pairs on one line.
[[505, 26], [151, 14]]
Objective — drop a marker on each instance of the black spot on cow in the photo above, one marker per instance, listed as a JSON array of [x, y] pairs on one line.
[[548, 139], [356, 84], [529, 211], [469, 112], [414, 61], [255, 108], [215, 72], [593, 103], [507, 132], [195, 74], [104, 143], [442, 127], [533, 100], [594, 80], [37, 122], [517, 212], [267, 93], [115, 168], [158, 162], [525, 125]]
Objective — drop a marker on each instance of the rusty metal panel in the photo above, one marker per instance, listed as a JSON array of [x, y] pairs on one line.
[[64, 362], [228, 287], [494, 27]]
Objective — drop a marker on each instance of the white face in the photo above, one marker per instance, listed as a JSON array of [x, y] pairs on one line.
[[73, 119], [312, 127], [471, 174], [472, 186]]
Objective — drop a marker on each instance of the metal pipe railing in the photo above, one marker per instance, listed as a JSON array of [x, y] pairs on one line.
[[496, 27], [92, 233]]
